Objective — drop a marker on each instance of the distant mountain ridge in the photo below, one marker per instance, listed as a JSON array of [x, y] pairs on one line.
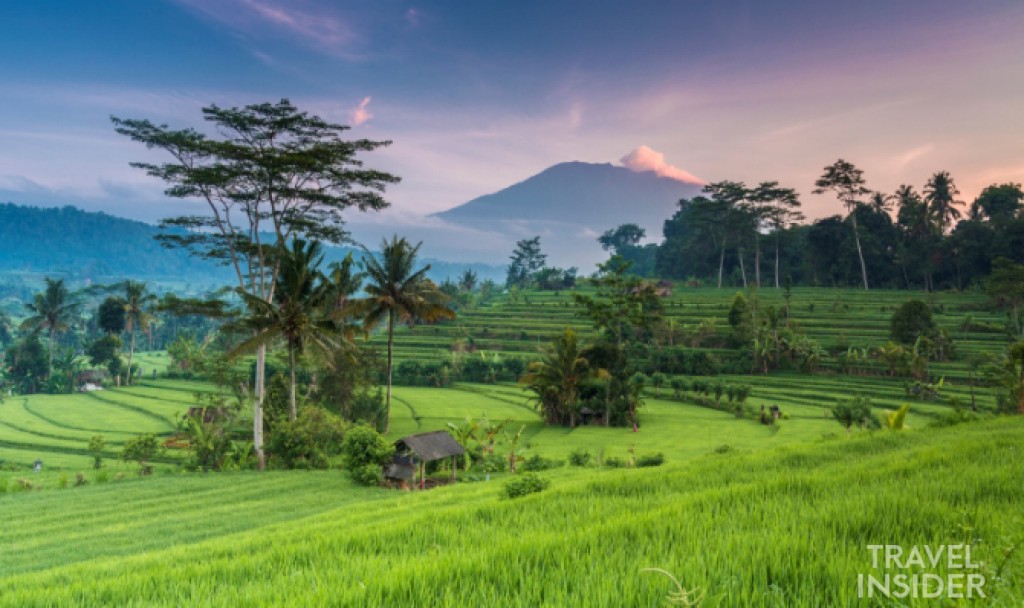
[[598, 196], [67, 241], [570, 204]]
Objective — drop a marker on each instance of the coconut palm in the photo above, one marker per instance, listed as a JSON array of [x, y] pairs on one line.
[[136, 316], [398, 291], [52, 311], [301, 313], [556, 378], [940, 193]]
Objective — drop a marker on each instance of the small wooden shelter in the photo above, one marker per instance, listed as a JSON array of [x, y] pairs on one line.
[[420, 449]]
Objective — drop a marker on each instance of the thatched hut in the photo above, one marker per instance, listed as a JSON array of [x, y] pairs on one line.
[[418, 450]]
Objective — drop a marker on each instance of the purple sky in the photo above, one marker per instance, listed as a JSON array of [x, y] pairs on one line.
[[477, 96]]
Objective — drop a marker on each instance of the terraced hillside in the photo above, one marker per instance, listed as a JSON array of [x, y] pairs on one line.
[[516, 325], [791, 530]]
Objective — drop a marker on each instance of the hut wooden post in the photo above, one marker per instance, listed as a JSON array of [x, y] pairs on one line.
[[423, 473], [453, 469]]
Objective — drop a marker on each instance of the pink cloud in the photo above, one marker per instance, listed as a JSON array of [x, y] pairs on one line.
[[647, 159], [361, 113]]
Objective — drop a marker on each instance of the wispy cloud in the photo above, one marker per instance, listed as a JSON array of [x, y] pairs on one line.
[[412, 17], [647, 159], [310, 24], [911, 155], [361, 113]]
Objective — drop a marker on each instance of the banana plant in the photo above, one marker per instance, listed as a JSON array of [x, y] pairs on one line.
[[896, 421]]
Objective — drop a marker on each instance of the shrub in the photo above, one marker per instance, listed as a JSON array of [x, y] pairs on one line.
[[62, 481], [310, 441], [539, 463], [102, 477], [912, 320], [142, 449], [580, 458], [650, 460], [492, 463], [725, 448], [96, 446], [614, 462], [80, 479], [364, 448], [522, 485]]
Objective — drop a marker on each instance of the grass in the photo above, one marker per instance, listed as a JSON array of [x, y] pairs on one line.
[[785, 530]]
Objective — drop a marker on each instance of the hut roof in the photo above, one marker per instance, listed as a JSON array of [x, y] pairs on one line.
[[431, 446]]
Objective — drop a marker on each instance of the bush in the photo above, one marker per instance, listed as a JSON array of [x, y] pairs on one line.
[[650, 460], [142, 449], [911, 320], [362, 450], [80, 479], [539, 463], [580, 458], [492, 463], [522, 485], [614, 462], [96, 447], [310, 441]]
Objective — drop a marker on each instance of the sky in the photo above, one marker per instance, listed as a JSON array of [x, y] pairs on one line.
[[476, 96]]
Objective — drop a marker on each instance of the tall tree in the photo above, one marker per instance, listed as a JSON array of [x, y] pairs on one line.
[[137, 302], [779, 209], [733, 214], [526, 260], [998, 203], [916, 232], [273, 168], [940, 193], [397, 291], [847, 183], [301, 313], [51, 311]]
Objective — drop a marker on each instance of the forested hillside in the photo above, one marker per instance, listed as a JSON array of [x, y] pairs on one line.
[[87, 245]]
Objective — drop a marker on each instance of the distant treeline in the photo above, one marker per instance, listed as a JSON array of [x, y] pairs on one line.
[[910, 240]]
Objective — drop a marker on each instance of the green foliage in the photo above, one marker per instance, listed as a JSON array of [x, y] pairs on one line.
[[580, 458], [142, 449], [912, 320], [525, 262], [110, 315], [308, 442], [522, 485], [106, 352], [27, 365], [96, 446], [539, 463], [650, 460], [852, 412], [895, 420], [363, 452]]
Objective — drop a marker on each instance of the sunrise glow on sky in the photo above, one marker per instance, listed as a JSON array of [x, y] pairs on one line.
[[479, 95]]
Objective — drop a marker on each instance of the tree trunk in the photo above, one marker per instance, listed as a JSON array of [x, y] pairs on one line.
[[131, 353], [757, 259], [721, 264], [53, 339], [391, 342], [743, 270], [776, 263], [860, 252], [293, 409], [257, 406]]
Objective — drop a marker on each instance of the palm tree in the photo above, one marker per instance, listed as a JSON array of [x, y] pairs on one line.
[[52, 311], [397, 291], [847, 183], [301, 312], [556, 378], [940, 193], [136, 301]]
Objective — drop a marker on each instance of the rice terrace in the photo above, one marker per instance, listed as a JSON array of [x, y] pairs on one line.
[[255, 353]]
